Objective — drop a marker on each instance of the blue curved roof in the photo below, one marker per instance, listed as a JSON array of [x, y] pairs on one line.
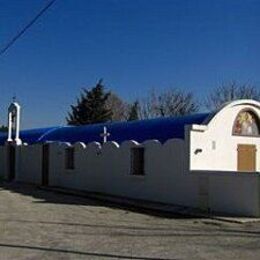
[[29, 136], [161, 129]]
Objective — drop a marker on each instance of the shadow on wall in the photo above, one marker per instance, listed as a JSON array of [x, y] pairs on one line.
[[47, 196]]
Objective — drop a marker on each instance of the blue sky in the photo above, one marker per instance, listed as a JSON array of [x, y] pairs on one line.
[[133, 45]]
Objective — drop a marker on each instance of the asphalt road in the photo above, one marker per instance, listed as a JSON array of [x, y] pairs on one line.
[[38, 224]]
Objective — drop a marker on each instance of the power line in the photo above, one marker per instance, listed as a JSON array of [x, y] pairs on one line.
[[21, 32]]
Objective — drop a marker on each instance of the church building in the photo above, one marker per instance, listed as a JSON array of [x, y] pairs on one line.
[[209, 161]]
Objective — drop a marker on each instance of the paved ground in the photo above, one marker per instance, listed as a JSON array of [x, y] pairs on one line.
[[37, 224]]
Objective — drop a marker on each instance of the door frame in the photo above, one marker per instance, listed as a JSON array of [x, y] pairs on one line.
[[45, 164], [11, 162]]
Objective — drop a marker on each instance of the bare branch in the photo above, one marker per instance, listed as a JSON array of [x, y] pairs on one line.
[[171, 102], [231, 91]]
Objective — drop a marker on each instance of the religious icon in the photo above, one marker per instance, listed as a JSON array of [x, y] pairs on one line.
[[246, 124]]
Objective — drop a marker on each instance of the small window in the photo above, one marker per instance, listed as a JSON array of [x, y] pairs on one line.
[[137, 161], [69, 158]]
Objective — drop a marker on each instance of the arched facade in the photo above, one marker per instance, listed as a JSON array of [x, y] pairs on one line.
[[229, 141]]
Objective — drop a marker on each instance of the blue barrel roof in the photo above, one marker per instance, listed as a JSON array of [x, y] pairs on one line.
[[29, 136], [160, 129]]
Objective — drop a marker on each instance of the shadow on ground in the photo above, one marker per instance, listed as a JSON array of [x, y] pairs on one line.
[[75, 252], [49, 196]]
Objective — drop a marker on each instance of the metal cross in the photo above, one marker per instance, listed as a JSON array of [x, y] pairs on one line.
[[105, 134]]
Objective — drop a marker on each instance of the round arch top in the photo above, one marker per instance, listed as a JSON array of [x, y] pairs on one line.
[[247, 123], [249, 104], [14, 106]]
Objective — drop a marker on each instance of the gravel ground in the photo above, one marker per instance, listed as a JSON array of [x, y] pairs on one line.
[[38, 224]]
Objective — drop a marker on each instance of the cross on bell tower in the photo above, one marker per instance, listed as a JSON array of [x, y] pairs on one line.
[[105, 134]]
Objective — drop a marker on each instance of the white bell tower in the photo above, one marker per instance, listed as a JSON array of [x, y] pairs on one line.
[[14, 117]]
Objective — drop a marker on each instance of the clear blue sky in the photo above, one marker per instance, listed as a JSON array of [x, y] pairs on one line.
[[134, 45]]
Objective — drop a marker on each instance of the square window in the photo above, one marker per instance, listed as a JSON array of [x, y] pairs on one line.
[[137, 161], [69, 158]]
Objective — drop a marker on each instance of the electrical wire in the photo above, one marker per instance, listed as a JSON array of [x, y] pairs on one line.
[[25, 28]]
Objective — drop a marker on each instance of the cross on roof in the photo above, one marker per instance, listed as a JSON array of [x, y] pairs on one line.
[[105, 134]]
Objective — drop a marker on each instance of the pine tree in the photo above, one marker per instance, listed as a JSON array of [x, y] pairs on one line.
[[91, 107], [3, 128], [133, 113]]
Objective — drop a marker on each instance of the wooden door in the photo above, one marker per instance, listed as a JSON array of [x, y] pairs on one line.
[[11, 162], [246, 158], [45, 164]]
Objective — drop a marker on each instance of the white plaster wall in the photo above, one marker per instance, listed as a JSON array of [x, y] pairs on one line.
[[107, 170], [29, 158], [167, 179], [224, 156], [85, 170], [56, 162], [232, 193], [213, 185]]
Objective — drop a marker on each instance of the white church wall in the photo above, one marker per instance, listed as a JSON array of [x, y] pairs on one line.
[[200, 171], [29, 159], [166, 180], [56, 162], [80, 158], [111, 163], [216, 146], [106, 169], [85, 161], [116, 172], [231, 193]]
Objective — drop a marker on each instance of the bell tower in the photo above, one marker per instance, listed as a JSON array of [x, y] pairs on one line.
[[14, 117]]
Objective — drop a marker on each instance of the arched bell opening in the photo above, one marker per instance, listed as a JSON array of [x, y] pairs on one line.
[[14, 112]]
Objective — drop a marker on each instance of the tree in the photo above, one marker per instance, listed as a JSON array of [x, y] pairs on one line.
[[134, 111], [171, 102], [91, 107], [118, 107], [230, 91], [3, 128]]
